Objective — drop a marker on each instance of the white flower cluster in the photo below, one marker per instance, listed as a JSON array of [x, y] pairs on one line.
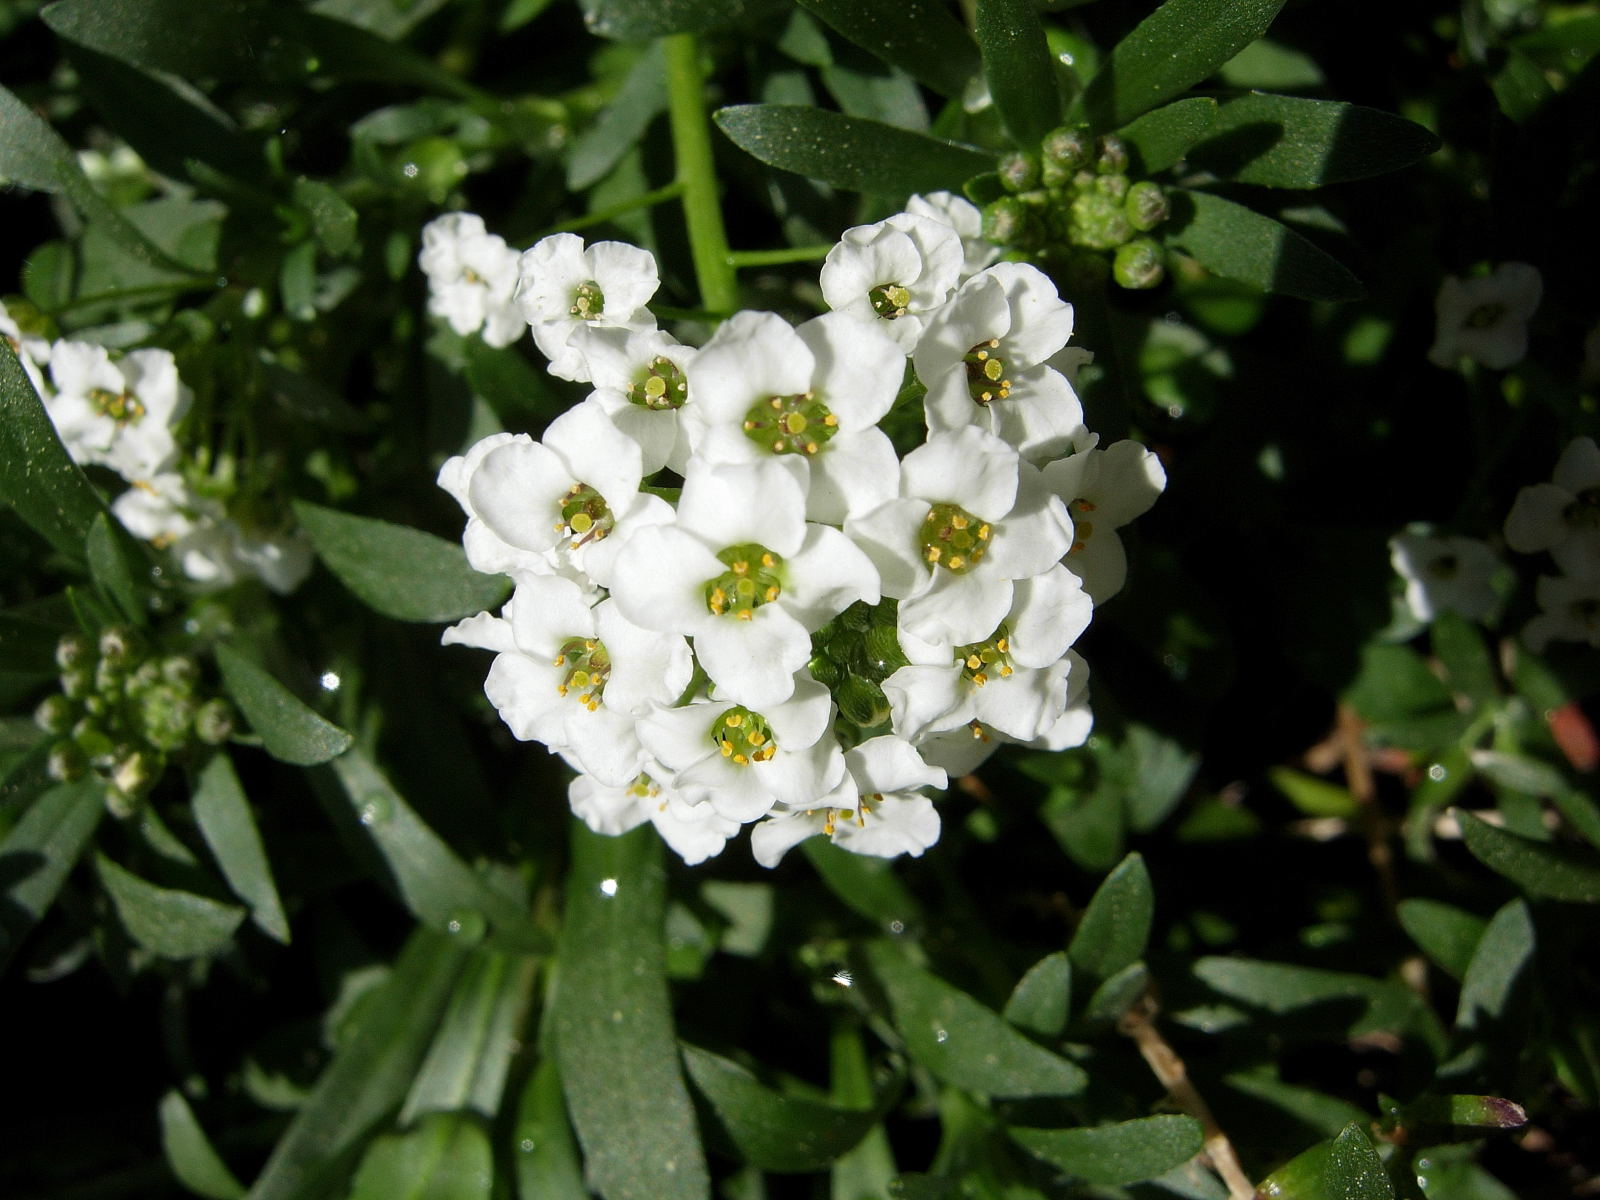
[[120, 412], [1563, 518], [813, 630]]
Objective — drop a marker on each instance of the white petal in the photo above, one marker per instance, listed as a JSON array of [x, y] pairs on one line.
[[826, 576]]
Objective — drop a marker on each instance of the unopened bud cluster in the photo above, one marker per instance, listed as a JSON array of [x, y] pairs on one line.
[[122, 711], [1074, 191]]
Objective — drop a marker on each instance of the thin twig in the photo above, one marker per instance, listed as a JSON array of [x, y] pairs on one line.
[[1359, 780]]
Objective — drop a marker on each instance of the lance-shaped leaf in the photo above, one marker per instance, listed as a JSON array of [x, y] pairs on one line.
[[229, 828], [398, 571], [1490, 981], [1019, 68], [445, 1156], [1446, 934], [39, 851], [1116, 925], [644, 20], [288, 729], [1042, 1000], [166, 921], [1291, 142], [470, 1057], [1160, 138], [1539, 868], [37, 476], [189, 1152], [640, 99], [1354, 1171], [921, 37], [850, 152], [547, 1165], [1128, 1152], [116, 562], [614, 1040], [1240, 243], [1168, 52]]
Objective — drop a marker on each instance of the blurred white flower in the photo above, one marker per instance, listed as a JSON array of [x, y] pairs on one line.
[[1485, 319], [118, 412], [1445, 574], [472, 277], [1571, 612], [1562, 516]]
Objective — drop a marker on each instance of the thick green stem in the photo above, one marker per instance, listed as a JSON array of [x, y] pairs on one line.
[[691, 146]]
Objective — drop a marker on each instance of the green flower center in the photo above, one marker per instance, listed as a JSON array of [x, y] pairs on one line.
[[799, 424], [585, 515], [982, 660], [743, 737], [1584, 512], [661, 386], [588, 301], [889, 300], [122, 407], [953, 538], [986, 381], [588, 668], [750, 581], [1486, 316]]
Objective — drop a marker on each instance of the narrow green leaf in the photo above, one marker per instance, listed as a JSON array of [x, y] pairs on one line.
[[1520, 87], [1283, 988], [614, 1040], [1118, 994], [547, 1164], [1290, 142], [641, 98], [1162, 137], [333, 221], [1469, 671], [849, 152], [1557, 872], [920, 37], [165, 921], [1172, 49], [1446, 934], [643, 20], [1317, 1110], [1019, 68], [1312, 796], [1490, 980], [37, 476], [962, 1041], [1240, 243], [1129, 1152], [446, 1156], [400, 572], [1116, 925], [868, 886], [288, 729], [1518, 773], [113, 556], [40, 850], [767, 1129], [1354, 1170], [229, 828], [189, 1153], [466, 1067], [1470, 1112], [369, 1074], [1042, 1000]]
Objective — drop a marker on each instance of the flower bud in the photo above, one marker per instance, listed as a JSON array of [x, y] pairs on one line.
[[214, 722], [135, 773], [1139, 264], [117, 646], [77, 681], [1019, 172], [1115, 186], [1067, 148], [166, 715], [883, 649], [66, 762], [181, 671], [73, 651], [55, 714], [861, 701], [1006, 222], [1146, 206], [1113, 159], [1098, 222]]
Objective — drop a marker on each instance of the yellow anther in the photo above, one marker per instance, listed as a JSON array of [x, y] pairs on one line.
[[811, 447], [745, 615], [772, 593], [958, 521], [980, 679], [755, 737], [1083, 505], [956, 562], [933, 554], [983, 533], [560, 660], [1003, 645], [974, 661], [740, 567], [777, 447], [727, 749], [768, 561], [733, 720], [830, 420], [589, 643], [1005, 671], [741, 760]]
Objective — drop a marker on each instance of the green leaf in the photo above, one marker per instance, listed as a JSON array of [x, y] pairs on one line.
[[433, 882], [229, 828], [1240, 243], [165, 921], [849, 152], [1116, 925], [614, 1040], [466, 1067], [1490, 980], [868, 886], [1162, 137], [113, 556], [288, 729], [1128, 1152], [1042, 1000], [962, 1041], [1518, 773], [1118, 994], [1172, 49], [1394, 683], [189, 1152], [333, 221], [1520, 87], [1557, 872], [767, 1129], [505, 381], [1469, 671], [1354, 1171], [920, 37], [547, 1163], [1312, 796], [40, 850], [1289, 142], [643, 20], [37, 476], [1283, 988], [400, 572], [369, 1074], [1019, 68], [446, 1156], [641, 98], [1446, 934]]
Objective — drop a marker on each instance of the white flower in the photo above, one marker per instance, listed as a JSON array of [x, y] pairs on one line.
[[1076, 722], [983, 358], [1562, 516], [1104, 490], [641, 382], [1571, 612], [881, 814], [963, 216], [119, 413], [472, 276], [1486, 319], [564, 286], [893, 274], [970, 519], [281, 559], [696, 831], [208, 547], [1445, 574], [811, 396], [744, 574]]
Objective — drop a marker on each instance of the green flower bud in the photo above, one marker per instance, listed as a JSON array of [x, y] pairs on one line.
[[1098, 222], [214, 722], [826, 672], [135, 773], [55, 714], [166, 715], [1056, 178], [66, 762], [121, 805], [1019, 172], [1113, 159], [77, 682], [1115, 186], [1139, 264], [883, 649], [180, 670], [73, 651], [862, 702], [1146, 206], [1067, 147], [117, 645], [1006, 222], [857, 617]]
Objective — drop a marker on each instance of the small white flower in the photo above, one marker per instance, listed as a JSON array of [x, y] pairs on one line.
[[893, 274], [962, 216], [1445, 574], [1104, 490], [472, 276], [1562, 516], [640, 378], [1571, 612], [564, 286], [1076, 722], [1485, 319], [281, 559], [695, 831], [119, 413]]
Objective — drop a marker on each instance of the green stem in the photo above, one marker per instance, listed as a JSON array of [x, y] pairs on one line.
[[691, 146], [600, 215], [775, 258]]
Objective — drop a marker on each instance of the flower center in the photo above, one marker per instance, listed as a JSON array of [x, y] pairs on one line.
[[799, 424], [750, 581], [1446, 566], [743, 737], [953, 538], [889, 300], [588, 668], [1584, 512], [588, 301], [122, 407], [1486, 316], [980, 660], [1082, 527], [645, 788], [585, 515], [661, 386], [986, 381]]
